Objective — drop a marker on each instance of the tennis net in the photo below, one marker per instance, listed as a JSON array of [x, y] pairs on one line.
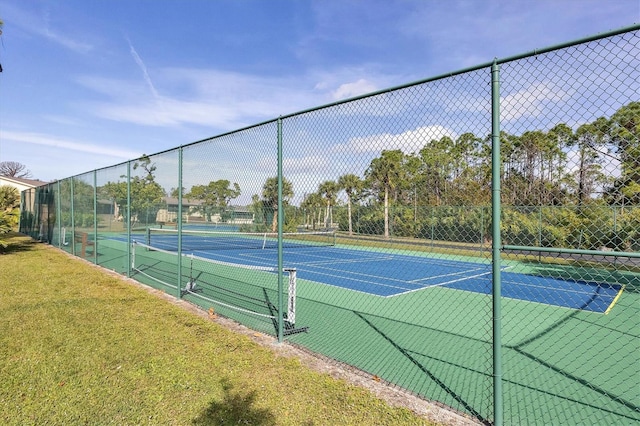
[[168, 239], [235, 289]]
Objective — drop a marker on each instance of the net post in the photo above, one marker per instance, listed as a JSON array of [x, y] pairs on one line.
[[291, 305], [133, 254]]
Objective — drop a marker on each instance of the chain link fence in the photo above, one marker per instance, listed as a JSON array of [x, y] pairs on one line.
[[364, 231]]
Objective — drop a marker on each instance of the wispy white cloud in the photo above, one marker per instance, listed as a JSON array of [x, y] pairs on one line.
[[143, 68], [408, 141], [67, 42], [295, 165], [67, 145], [40, 25], [221, 99], [65, 120], [212, 98], [531, 101], [167, 112], [350, 90]]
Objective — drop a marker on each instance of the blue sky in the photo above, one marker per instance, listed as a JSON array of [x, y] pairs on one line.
[[92, 83]]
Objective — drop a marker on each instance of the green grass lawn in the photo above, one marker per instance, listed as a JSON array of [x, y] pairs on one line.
[[81, 346]]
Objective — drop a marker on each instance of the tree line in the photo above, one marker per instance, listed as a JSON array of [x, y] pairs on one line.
[[576, 170], [439, 190]]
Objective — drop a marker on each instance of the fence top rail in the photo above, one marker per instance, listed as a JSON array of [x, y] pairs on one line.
[[473, 68], [495, 61]]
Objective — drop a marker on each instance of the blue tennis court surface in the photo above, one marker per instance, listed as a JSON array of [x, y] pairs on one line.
[[388, 275]]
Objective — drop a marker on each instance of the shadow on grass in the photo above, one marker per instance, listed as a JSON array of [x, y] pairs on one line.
[[236, 408], [15, 243]]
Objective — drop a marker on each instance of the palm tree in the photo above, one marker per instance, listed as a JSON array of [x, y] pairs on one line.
[[624, 131], [352, 184], [328, 189], [384, 175], [270, 197], [312, 203], [589, 140]]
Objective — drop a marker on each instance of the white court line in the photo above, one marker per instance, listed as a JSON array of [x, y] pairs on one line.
[[449, 282], [334, 259], [442, 284], [408, 286], [342, 262], [362, 281], [453, 274], [386, 277], [342, 273]]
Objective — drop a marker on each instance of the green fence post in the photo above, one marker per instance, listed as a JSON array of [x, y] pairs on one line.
[[128, 218], [95, 217], [495, 230], [73, 219], [179, 224], [61, 239], [280, 226]]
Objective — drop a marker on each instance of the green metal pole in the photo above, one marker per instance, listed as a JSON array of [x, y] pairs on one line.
[[59, 217], [73, 219], [95, 217], [179, 223], [280, 223], [128, 218], [496, 166]]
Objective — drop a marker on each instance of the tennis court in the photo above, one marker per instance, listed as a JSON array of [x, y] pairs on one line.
[[401, 310], [384, 273]]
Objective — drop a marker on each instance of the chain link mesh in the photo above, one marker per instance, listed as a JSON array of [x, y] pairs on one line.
[[402, 182], [571, 129]]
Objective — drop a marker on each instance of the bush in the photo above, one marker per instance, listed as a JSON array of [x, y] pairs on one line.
[[9, 210]]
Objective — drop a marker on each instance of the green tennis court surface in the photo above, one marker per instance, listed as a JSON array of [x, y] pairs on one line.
[[433, 339], [382, 273]]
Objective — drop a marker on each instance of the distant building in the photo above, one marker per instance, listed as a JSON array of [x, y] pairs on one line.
[[20, 183], [192, 212], [27, 202], [170, 213]]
